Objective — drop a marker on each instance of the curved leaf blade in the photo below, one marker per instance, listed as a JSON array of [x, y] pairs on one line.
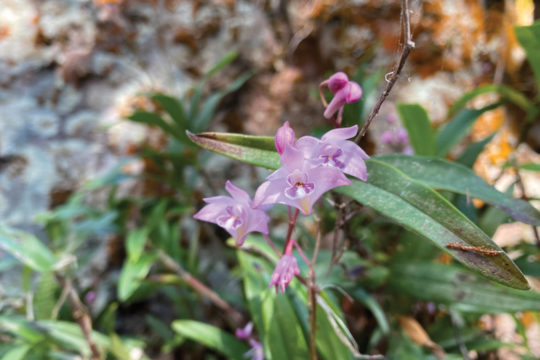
[[250, 149], [211, 336], [461, 289], [454, 177], [27, 249], [452, 133], [416, 121], [507, 93], [424, 211]]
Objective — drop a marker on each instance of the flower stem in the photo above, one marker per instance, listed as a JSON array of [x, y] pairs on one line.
[[292, 223]]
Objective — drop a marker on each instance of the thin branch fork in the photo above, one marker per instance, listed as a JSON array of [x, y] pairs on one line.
[[392, 77]]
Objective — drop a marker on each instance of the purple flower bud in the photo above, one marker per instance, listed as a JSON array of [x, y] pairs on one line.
[[350, 93], [402, 136], [387, 137], [256, 352], [337, 82], [391, 119], [284, 136], [353, 92], [286, 269], [245, 332]]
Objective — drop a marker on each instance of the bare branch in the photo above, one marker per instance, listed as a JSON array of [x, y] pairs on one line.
[[392, 77]]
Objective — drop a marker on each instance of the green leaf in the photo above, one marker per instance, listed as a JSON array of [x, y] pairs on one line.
[[211, 336], [173, 107], [27, 248], [424, 211], [529, 38], [17, 353], [228, 145], [226, 60], [135, 242], [469, 156], [452, 133], [208, 108], [273, 315], [454, 177], [506, 93], [362, 296], [132, 273], [530, 167], [460, 289], [416, 121], [153, 119]]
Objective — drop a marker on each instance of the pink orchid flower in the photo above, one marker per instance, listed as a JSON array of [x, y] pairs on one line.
[[345, 92], [334, 150], [298, 183], [236, 214]]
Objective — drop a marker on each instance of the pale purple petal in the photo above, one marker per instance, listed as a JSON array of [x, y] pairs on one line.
[[308, 145], [340, 133], [211, 212], [327, 178], [237, 193], [245, 332], [256, 352], [353, 92], [337, 82], [337, 102], [355, 165], [292, 158], [269, 192], [387, 137]]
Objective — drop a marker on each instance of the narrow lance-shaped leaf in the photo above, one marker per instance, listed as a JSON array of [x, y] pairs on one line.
[[27, 249], [451, 176], [529, 38], [458, 127], [416, 121], [507, 93], [424, 211], [458, 288], [212, 337], [234, 146]]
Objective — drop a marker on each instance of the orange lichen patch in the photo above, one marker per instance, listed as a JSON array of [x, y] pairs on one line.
[[488, 123], [528, 318], [524, 12], [4, 31], [446, 40], [499, 151], [444, 258], [136, 103], [107, 2]]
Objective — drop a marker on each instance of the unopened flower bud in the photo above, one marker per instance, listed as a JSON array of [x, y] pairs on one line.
[[284, 136], [337, 82], [353, 92]]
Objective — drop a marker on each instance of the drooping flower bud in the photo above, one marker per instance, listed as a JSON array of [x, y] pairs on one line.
[[353, 92], [337, 82], [284, 136]]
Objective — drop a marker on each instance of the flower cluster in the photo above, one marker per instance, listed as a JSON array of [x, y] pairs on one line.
[[310, 168]]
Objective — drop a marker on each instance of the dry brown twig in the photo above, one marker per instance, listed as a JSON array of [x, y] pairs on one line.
[[392, 77], [80, 314]]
